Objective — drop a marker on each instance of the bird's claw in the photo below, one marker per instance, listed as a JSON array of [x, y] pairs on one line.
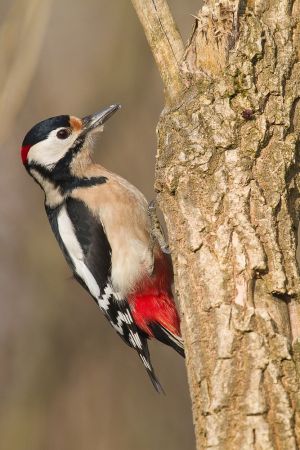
[[156, 230]]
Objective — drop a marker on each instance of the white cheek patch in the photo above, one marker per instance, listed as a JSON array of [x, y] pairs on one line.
[[49, 151]]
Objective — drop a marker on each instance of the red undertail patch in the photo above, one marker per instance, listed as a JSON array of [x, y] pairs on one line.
[[156, 308]]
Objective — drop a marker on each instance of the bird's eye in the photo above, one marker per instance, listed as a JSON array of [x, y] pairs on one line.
[[63, 133]]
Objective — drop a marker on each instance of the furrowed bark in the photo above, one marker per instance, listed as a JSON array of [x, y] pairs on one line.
[[227, 175]]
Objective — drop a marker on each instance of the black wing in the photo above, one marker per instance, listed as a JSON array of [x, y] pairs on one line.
[[97, 258]]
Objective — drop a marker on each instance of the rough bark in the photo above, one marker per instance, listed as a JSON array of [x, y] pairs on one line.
[[227, 177]]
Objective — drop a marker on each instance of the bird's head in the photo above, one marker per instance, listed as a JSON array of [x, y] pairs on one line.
[[54, 143]]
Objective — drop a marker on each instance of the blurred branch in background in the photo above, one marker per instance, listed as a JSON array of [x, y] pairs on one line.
[[21, 39]]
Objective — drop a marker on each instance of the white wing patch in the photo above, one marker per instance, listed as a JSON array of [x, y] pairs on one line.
[[68, 236]]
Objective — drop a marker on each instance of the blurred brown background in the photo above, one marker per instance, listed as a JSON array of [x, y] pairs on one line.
[[66, 380]]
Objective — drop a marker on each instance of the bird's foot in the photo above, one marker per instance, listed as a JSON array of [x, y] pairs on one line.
[[156, 229]]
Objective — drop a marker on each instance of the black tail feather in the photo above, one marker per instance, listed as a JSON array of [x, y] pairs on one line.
[[145, 357], [168, 338], [158, 387]]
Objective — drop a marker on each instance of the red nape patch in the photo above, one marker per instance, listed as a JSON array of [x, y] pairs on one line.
[[24, 152]]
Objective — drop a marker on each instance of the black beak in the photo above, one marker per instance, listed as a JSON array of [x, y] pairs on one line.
[[96, 120]]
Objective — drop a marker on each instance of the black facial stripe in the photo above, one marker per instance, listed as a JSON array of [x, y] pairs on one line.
[[41, 130], [64, 180], [64, 163]]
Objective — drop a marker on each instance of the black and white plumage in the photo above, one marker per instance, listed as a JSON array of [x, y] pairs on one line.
[[86, 248], [102, 225]]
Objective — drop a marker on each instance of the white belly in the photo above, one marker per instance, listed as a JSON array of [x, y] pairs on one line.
[[131, 257], [131, 261]]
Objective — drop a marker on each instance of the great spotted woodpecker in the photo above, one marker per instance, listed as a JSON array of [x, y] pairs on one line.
[[109, 236]]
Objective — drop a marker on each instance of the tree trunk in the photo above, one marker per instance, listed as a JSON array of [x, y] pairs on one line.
[[228, 184]]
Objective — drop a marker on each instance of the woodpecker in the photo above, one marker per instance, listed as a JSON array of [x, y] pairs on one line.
[[109, 235]]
